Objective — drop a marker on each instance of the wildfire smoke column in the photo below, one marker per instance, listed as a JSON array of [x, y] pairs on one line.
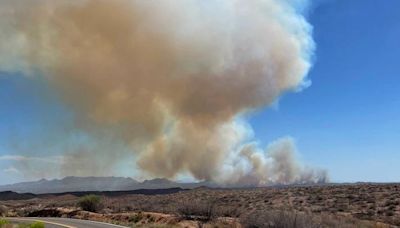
[[172, 79]]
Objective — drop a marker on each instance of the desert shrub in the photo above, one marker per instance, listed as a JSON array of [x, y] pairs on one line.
[[44, 213], [90, 203], [150, 218], [136, 218], [228, 211], [277, 219], [201, 210], [389, 213], [286, 219], [3, 210]]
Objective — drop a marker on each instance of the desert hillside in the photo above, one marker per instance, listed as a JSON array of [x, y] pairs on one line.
[[357, 205]]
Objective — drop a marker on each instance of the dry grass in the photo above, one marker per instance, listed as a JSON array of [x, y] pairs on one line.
[[293, 219], [3, 210], [197, 210]]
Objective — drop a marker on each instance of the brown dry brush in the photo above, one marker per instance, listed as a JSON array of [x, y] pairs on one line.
[[3, 210], [204, 210], [276, 219], [293, 219]]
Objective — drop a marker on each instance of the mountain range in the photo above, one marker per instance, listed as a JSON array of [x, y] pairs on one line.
[[81, 184]]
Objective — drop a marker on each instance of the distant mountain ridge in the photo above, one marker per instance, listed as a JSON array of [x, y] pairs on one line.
[[9, 195], [81, 184]]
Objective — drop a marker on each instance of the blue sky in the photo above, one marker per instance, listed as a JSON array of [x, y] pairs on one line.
[[347, 121]]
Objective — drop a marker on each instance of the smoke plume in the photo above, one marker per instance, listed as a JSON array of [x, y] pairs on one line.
[[172, 79]]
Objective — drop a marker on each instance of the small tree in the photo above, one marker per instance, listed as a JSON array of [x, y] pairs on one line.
[[90, 203]]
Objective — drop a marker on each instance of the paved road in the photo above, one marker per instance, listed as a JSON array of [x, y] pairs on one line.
[[65, 223]]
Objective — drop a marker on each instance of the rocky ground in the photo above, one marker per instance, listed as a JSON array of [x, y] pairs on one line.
[[357, 205]]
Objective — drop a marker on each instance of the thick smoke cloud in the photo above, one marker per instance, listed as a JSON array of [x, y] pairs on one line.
[[171, 79]]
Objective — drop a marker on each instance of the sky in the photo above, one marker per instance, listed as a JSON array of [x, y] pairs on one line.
[[346, 122], [348, 119]]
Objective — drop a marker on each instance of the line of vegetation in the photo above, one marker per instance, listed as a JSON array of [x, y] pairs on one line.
[[33, 225], [4, 223]]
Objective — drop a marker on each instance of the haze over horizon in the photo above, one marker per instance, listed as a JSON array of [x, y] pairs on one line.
[[294, 93]]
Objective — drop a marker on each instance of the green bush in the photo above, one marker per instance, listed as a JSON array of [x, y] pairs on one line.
[[33, 225], [90, 203], [3, 222], [37, 225]]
